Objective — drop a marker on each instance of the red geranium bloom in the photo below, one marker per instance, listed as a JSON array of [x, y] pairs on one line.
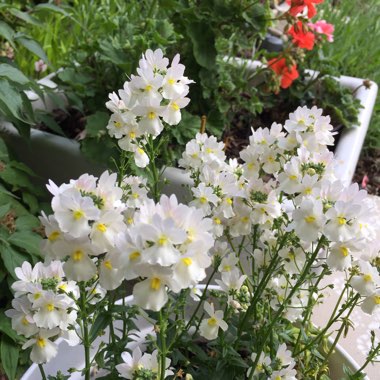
[[287, 74], [302, 39], [297, 6]]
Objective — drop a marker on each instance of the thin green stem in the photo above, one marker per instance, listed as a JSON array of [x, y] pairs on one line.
[[341, 330], [43, 375], [85, 337], [163, 349]]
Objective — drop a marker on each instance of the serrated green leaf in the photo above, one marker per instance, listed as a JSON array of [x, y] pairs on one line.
[[13, 74], [7, 32], [33, 46], [12, 259], [26, 240], [9, 357]]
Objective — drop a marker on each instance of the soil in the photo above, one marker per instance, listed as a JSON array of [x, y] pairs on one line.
[[72, 123], [368, 172]]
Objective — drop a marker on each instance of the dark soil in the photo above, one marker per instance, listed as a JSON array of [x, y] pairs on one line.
[[368, 172], [236, 138]]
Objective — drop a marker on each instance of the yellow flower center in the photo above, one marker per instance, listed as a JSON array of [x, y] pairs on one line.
[[135, 195], [194, 155], [367, 278], [291, 255], [187, 261], [155, 283], [134, 255], [227, 268], [250, 166], [37, 296], [203, 200], [41, 342], [212, 321], [130, 220], [148, 88], [245, 219], [54, 235], [377, 300], [209, 150], [50, 307], [308, 191], [77, 255], [175, 106], [140, 151], [151, 115], [344, 251], [78, 214], [132, 135], [171, 81], [217, 220], [25, 322], [117, 124], [293, 177], [101, 227], [341, 220], [107, 264], [278, 378], [310, 219], [62, 286], [229, 201], [162, 240]]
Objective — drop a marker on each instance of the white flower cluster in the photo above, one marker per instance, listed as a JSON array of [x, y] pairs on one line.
[[156, 95], [88, 216], [287, 178], [42, 308], [168, 245]]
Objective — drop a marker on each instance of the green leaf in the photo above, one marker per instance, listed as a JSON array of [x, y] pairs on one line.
[[203, 40], [96, 124], [13, 74], [31, 201], [12, 259], [33, 46], [51, 8], [27, 240], [27, 222], [11, 102], [4, 209], [9, 357], [101, 322], [51, 123], [7, 32], [6, 327], [25, 17]]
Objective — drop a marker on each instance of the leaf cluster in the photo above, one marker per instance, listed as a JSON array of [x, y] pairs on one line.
[[20, 237]]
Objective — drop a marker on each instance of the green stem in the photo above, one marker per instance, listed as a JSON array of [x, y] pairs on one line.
[[163, 349], [85, 338], [341, 329], [43, 375], [300, 281], [370, 357]]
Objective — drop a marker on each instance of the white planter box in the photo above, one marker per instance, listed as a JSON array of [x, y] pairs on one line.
[[73, 357], [60, 159]]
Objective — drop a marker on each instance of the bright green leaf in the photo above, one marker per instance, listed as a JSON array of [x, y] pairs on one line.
[[13, 74], [33, 46], [7, 32]]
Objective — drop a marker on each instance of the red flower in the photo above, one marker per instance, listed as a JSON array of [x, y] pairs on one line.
[[301, 38], [287, 74], [297, 6]]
